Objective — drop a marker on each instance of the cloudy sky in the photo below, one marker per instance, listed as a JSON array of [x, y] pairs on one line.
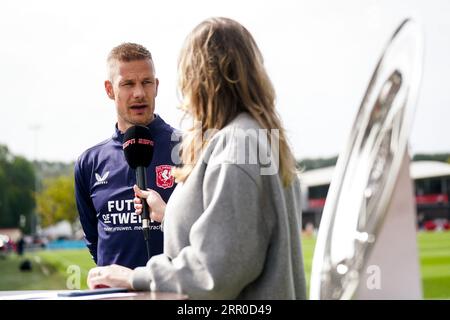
[[319, 54]]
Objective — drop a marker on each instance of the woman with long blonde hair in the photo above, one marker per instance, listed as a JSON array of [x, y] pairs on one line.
[[232, 226]]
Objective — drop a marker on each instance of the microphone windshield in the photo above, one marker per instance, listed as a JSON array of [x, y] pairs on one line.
[[138, 146]]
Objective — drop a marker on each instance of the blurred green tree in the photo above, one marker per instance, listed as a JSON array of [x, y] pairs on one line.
[[56, 201], [17, 183]]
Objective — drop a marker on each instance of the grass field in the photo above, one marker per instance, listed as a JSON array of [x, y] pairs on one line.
[[434, 252], [49, 270], [50, 267]]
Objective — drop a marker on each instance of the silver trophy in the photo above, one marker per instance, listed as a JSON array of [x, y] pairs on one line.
[[368, 168]]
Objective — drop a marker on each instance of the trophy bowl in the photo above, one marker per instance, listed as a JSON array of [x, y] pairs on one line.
[[368, 167]]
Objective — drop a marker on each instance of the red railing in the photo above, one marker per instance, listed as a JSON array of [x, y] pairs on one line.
[[432, 199], [425, 199]]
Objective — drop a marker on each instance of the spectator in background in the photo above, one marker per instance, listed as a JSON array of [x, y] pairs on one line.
[[20, 246]]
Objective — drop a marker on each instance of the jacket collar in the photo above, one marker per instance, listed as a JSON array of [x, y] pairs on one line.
[[152, 126]]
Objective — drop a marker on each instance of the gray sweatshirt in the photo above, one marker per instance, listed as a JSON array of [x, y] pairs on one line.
[[230, 232]]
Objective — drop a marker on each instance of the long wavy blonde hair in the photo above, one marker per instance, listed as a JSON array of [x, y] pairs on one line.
[[221, 74]]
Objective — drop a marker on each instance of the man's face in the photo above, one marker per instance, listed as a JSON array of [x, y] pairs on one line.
[[133, 88]]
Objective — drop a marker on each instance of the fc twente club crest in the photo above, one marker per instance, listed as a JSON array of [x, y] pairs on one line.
[[164, 178]]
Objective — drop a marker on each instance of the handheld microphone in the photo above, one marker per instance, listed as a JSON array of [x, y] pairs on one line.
[[138, 149]]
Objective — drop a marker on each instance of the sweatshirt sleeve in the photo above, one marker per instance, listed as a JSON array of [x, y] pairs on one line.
[[87, 212], [228, 243]]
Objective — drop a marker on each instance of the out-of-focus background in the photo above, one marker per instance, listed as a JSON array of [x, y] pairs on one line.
[[319, 54]]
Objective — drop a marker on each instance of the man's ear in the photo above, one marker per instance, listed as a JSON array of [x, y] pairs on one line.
[[157, 84], [109, 89]]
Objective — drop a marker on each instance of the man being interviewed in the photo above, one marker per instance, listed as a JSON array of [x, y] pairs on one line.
[[103, 179]]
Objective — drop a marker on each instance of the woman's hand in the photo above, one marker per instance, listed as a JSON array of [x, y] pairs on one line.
[[154, 200], [110, 276]]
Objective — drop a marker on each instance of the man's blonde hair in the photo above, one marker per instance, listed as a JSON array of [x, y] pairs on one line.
[[127, 52], [222, 74]]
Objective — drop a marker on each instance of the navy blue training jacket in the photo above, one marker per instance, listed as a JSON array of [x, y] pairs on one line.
[[104, 195]]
